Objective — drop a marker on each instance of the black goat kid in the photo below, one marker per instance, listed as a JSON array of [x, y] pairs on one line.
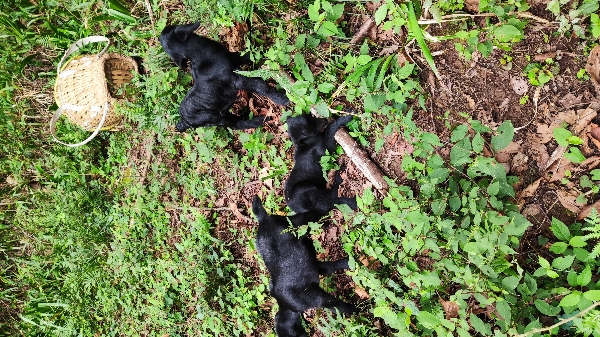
[[294, 269], [306, 188], [215, 83]]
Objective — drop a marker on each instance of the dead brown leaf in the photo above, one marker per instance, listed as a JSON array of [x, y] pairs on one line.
[[587, 209], [595, 132], [472, 6], [557, 154], [568, 201], [534, 213], [590, 163], [389, 50], [567, 116], [545, 56], [519, 163], [450, 308], [504, 155], [545, 132], [585, 117], [593, 68], [569, 100], [361, 293], [470, 101], [530, 190], [519, 85], [538, 151]]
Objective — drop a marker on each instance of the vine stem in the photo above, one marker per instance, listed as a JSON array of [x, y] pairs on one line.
[[561, 322]]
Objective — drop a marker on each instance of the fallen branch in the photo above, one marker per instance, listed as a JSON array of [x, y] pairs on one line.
[[363, 30], [358, 157]]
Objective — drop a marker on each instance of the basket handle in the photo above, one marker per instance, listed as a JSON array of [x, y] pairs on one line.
[[57, 115], [80, 43]]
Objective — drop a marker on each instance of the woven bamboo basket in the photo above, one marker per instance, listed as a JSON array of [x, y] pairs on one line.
[[87, 87]]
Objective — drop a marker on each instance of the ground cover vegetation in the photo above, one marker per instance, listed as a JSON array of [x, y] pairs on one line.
[[477, 111]]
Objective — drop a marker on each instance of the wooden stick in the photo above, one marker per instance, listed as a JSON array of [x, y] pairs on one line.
[[360, 159]]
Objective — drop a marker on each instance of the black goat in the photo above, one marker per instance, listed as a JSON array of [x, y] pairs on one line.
[[215, 83], [294, 269], [306, 188]]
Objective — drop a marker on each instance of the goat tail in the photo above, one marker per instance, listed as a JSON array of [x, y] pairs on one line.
[[258, 209]]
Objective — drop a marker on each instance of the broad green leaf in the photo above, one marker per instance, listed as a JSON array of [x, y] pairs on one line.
[[581, 254], [560, 230], [544, 77], [374, 101], [363, 59], [574, 140], [493, 188], [572, 278], [561, 135], [438, 207], [480, 326], [300, 41], [503, 309], [299, 60], [454, 203], [506, 132], [460, 153], [459, 133], [307, 73], [381, 13], [322, 109], [558, 247], [326, 87], [313, 11], [577, 242], [427, 319], [510, 282], [592, 295], [554, 7], [585, 277], [546, 308], [508, 33], [588, 7], [327, 28], [574, 155], [389, 317], [478, 143], [595, 23], [570, 300], [562, 263], [405, 71], [543, 262]]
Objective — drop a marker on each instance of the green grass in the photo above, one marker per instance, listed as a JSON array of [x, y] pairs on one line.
[[120, 237]]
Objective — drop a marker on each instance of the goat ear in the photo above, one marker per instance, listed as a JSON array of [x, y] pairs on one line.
[[184, 31]]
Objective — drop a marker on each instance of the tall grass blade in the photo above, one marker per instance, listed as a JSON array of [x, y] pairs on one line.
[[413, 25]]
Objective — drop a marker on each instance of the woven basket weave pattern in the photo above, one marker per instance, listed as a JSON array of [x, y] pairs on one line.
[[87, 83]]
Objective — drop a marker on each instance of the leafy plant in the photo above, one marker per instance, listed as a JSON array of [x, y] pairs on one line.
[[564, 137]]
